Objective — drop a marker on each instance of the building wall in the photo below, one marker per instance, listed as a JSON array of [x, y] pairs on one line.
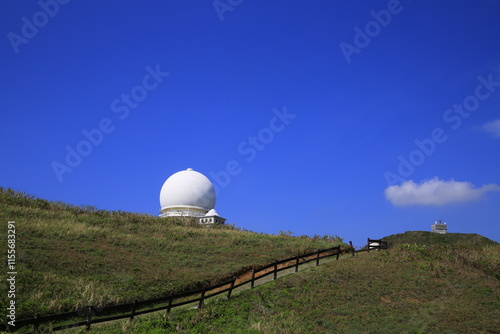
[[439, 228], [183, 212], [211, 220]]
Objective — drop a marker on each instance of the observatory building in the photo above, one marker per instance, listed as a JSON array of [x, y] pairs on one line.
[[439, 227], [189, 193]]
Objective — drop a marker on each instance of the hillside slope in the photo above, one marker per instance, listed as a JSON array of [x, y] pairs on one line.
[[69, 257], [443, 288], [429, 238]]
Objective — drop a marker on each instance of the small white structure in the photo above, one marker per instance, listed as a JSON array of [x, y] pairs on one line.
[[189, 194], [212, 217], [439, 227]]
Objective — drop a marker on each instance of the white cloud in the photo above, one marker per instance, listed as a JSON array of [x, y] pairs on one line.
[[435, 192], [492, 127]]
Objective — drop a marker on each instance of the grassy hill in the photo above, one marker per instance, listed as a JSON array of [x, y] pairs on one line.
[[72, 256], [443, 287], [69, 256], [429, 238]]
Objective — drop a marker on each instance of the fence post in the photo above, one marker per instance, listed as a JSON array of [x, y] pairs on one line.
[[169, 306], [338, 253], [275, 270], [317, 257], [252, 282], [132, 315], [352, 248], [231, 288], [35, 324], [297, 263], [89, 317], [200, 304]]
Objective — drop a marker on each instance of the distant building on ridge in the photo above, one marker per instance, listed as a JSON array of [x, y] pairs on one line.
[[439, 227]]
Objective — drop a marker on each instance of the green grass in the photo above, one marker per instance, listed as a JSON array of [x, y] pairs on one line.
[[411, 288], [429, 238], [69, 257]]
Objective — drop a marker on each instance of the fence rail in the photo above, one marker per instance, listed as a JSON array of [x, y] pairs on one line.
[[95, 315]]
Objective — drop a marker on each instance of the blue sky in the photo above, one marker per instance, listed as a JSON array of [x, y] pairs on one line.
[[352, 118]]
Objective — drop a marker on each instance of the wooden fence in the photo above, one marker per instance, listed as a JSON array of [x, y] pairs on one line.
[[94, 315], [375, 244]]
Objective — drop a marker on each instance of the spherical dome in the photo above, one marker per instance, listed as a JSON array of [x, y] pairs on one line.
[[187, 189]]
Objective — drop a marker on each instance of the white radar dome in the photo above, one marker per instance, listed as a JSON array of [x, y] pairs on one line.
[[187, 193]]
